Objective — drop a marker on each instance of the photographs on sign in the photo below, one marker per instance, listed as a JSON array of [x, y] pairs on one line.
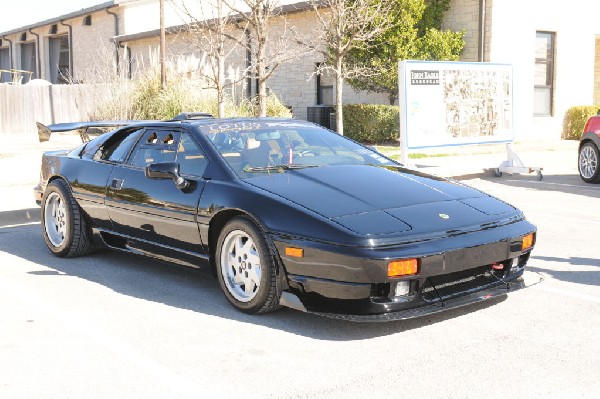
[[454, 103]]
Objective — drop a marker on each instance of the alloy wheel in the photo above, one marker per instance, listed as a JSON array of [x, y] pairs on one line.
[[55, 218], [241, 266], [588, 162]]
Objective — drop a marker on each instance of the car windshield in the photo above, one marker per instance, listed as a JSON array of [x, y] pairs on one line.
[[252, 147]]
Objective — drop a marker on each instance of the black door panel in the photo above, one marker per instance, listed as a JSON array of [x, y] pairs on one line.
[[153, 209]]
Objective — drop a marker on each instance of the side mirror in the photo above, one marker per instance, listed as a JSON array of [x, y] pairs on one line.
[[167, 170]]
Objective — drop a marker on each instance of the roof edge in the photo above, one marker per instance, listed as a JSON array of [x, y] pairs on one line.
[[54, 20], [292, 8]]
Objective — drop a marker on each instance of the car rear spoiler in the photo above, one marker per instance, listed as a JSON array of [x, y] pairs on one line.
[[83, 129], [87, 129]]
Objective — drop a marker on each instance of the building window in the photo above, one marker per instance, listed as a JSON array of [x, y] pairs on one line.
[[324, 86], [543, 91], [28, 61], [58, 59], [5, 75]]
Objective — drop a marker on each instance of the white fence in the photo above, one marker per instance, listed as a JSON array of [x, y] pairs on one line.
[[23, 105]]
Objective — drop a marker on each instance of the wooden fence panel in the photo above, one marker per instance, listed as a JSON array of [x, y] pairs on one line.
[[23, 105]]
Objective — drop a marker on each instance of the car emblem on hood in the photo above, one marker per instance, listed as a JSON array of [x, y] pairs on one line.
[[443, 216]]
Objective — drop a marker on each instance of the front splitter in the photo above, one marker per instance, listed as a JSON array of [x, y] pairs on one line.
[[526, 281]]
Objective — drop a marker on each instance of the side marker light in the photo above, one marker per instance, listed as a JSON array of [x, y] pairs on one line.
[[294, 252], [527, 241], [404, 267]]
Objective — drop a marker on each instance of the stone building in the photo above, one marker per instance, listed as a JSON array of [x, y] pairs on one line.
[[554, 50]]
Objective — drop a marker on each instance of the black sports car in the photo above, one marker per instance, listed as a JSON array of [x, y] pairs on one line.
[[285, 213]]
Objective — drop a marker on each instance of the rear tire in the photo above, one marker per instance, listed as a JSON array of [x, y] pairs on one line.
[[245, 267], [589, 163], [65, 231]]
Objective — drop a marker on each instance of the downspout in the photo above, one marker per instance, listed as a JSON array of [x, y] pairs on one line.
[[117, 44], [71, 69], [38, 70], [10, 52], [481, 44]]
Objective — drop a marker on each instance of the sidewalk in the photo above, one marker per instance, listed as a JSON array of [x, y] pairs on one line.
[[554, 156], [20, 161]]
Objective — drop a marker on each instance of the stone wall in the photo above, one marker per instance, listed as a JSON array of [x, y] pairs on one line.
[[464, 15]]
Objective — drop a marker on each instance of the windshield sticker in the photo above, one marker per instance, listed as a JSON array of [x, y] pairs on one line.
[[233, 127]]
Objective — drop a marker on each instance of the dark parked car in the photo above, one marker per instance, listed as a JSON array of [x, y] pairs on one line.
[[285, 213], [589, 153]]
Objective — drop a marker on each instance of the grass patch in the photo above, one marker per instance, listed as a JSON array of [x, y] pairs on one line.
[[417, 155]]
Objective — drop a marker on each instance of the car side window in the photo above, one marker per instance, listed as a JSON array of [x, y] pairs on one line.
[[118, 147], [190, 158], [155, 146]]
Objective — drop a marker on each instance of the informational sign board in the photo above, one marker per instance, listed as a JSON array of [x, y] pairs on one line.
[[454, 103]]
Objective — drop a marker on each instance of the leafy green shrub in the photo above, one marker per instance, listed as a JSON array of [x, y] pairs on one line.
[[575, 119], [276, 108], [372, 123]]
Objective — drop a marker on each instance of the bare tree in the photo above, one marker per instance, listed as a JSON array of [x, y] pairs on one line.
[[269, 40], [212, 31], [344, 25]]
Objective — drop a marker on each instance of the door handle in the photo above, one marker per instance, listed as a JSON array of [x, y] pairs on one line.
[[117, 184]]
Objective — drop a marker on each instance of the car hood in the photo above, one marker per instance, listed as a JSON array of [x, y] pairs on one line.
[[375, 200]]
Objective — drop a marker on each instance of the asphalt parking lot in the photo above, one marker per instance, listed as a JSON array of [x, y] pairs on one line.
[[116, 325]]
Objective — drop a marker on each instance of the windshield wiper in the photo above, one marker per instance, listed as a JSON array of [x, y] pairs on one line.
[[277, 168]]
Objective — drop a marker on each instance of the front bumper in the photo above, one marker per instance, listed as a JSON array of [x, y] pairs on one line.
[[352, 282]]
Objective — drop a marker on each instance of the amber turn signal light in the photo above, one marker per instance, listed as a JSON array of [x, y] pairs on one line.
[[527, 242], [404, 267], [295, 252]]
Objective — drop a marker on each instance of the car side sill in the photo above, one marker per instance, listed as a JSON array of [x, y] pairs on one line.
[[139, 246]]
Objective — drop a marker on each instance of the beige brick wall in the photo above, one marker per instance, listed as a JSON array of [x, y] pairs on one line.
[[93, 52], [464, 15]]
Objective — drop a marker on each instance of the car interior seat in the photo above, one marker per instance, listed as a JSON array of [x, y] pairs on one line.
[[258, 153]]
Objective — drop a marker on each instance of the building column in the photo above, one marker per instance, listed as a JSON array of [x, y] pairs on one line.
[[597, 72]]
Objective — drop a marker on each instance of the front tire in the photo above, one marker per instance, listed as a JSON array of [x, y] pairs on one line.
[[65, 231], [589, 163], [245, 267]]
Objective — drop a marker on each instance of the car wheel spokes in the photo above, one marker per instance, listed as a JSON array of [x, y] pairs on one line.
[[241, 266], [588, 162], [55, 218]]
